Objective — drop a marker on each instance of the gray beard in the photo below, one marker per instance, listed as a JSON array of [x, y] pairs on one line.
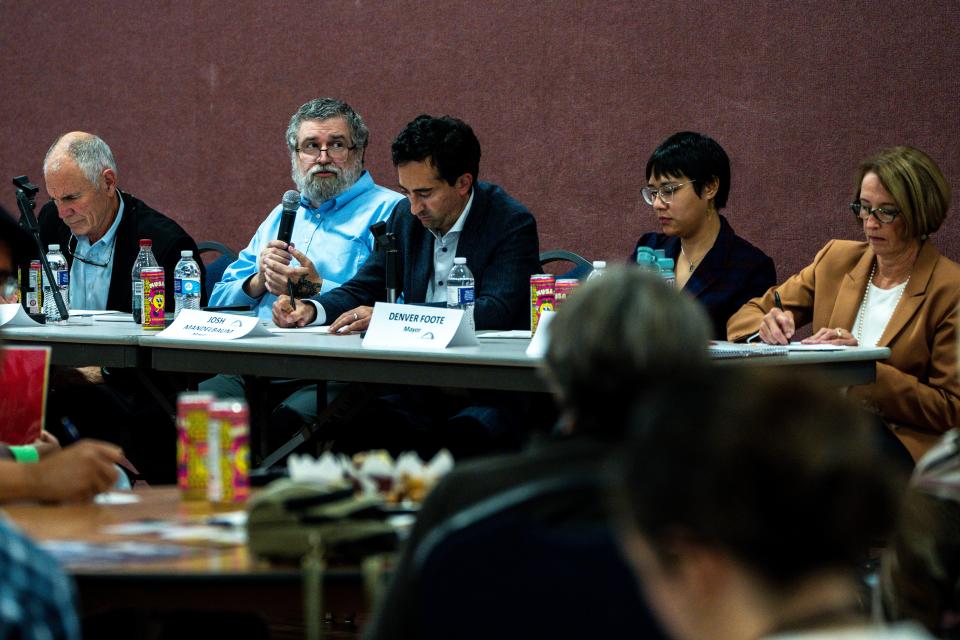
[[319, 190]]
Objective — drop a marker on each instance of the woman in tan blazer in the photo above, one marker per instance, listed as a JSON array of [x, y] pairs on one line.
[[892, 290]]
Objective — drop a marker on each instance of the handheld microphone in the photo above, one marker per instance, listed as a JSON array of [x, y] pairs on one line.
[[291, 201]]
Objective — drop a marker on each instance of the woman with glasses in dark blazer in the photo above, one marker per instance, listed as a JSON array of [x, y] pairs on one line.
[[688, 180]]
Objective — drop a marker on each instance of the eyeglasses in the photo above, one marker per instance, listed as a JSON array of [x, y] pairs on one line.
[[336, 150], [8, 284], [84, 260], [665, 193], [883, 216]]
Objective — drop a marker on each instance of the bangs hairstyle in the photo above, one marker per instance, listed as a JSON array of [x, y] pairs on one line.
[[695, 156], [917, 185]]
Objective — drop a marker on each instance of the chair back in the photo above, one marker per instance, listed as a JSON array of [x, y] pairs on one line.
[[501, 570], [580, 266], [216, 268]]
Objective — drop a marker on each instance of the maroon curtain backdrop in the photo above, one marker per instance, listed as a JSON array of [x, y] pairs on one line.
[[568, 99]]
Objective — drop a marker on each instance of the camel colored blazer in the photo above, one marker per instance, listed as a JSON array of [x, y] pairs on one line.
[[917, 391]]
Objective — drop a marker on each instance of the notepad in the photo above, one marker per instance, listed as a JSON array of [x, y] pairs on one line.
[[721, 350], [799, 346]]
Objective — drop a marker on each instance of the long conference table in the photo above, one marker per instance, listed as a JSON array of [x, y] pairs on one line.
[[497, 363]]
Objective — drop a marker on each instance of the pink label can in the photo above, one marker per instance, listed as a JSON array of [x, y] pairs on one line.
[[542, 297], [228, 452], [564, 287], [153, 298]]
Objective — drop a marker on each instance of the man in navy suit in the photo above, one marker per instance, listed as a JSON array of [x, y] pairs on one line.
[[447, 213]]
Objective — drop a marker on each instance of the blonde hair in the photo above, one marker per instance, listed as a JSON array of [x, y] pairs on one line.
[[917, 185]]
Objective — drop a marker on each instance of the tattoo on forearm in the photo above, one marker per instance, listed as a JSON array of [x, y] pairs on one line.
[[305, 288]]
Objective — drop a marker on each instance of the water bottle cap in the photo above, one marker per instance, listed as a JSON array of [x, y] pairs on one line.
[[186, 253], [599, 264], [459, 260], [145, 242], [53, 247]]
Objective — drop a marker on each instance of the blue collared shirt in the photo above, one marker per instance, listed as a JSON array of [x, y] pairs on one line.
[[335, 236], [444, 251], [90, 284]]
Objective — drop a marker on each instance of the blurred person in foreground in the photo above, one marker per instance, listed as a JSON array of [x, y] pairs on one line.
[[893, 289], [688, 181], [920, 572], [747, 503], [623, 336], [77, 472]]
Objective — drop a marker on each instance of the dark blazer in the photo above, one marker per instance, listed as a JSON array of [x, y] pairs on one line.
[[732, 272], [499, 241], [139, 221]]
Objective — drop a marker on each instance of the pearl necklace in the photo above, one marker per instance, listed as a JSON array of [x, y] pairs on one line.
[[866, 299]]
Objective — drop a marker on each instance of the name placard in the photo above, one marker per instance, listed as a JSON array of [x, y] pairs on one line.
[[192, 324], [541, 339], [13, 315], [409, 326]]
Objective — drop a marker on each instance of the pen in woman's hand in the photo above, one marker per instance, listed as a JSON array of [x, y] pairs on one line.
[[293, 301], [777, 301]]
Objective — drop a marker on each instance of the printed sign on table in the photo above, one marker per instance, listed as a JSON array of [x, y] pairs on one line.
[[192, 324], [13, 315], [407, 326]]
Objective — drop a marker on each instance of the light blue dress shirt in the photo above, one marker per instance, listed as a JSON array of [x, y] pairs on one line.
[[444, 251], [90, 284], [335, 236]]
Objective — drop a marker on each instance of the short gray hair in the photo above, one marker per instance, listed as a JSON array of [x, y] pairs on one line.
[[324, 109], [90, 152], [617, 336]]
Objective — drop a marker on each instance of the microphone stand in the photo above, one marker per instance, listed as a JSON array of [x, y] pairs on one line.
[[26, 193], [387, 244]]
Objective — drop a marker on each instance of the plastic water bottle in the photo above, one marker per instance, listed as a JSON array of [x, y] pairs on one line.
[[599, 268], [61, 277], [647, 258], [666, 271], [186, 283], [460, 292], [144, 259]]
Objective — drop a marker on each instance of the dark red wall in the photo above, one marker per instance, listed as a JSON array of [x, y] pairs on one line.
[[568, 99]]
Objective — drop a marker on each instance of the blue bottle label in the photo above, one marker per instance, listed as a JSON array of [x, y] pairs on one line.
[[190, 286]]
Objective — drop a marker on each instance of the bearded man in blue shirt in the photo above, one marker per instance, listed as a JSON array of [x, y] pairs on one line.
[[338, 203], [331, 238]]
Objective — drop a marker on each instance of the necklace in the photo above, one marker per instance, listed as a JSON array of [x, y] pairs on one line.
[[866, 298], [693, 263]]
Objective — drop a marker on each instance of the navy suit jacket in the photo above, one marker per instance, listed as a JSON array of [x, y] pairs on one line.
[[139, 221], [733, 272], [499, 241]]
